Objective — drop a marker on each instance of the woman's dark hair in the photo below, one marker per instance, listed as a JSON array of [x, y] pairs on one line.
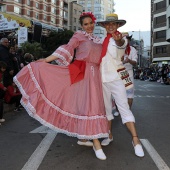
[[82, 18], [3, 64]]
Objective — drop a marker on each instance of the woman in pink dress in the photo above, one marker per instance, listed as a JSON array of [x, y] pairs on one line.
[[68, 97]]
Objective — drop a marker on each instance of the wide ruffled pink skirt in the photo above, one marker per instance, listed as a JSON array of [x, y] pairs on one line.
[[76, 110]]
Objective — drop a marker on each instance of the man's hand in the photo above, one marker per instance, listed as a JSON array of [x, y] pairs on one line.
[[117, 36], [127, 60]]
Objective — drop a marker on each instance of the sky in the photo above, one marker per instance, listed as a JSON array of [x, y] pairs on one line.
[[135, 12]]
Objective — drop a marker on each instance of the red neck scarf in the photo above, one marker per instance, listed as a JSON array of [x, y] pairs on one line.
[[127, 51], [104, 46]]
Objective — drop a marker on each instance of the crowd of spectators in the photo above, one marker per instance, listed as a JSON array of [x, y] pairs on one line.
[[12, 60], [154, 73]]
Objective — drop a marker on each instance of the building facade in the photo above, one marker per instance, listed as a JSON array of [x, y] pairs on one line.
[[75, 11], [160, 31], [49, 12]]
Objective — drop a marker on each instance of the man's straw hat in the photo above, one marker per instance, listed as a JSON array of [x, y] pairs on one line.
[[112, 18]]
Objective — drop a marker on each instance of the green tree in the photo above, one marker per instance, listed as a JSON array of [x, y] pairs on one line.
[[57, 39], [33, 48]]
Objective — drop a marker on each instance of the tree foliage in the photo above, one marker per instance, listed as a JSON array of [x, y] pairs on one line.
[[33, 48], [57, 39]]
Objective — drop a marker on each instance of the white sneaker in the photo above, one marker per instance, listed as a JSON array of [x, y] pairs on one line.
[[116, 113], [87, 143], [138, 150], [106, 141], [2, 120], [99, 154]]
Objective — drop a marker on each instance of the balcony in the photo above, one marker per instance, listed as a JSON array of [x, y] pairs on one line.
[[66, 9], [3, 2]]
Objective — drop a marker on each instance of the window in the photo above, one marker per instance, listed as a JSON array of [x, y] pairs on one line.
[[61, 13], [160, 34], [28, 13], [99, 16], [61, 3], [74, 19], [45, 8], [17, 10], [160, 5], [36, 15], [2, 9], [82, 2], [161, 49], [97, 31], [101, 31], [18, 1], [99, 9], [75, 11], [53, 20], [97, 1], [89, 2], [53, 1], [109, 5], [28, 2], [45, 17], [36, 5], [65, 14], [74, 28], [160, 19], [53, 10]]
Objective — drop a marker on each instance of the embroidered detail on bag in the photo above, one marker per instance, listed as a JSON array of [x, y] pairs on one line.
[[124, 75]]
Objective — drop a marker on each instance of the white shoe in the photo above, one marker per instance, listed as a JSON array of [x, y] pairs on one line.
[[2, 120], [99, 154], [106, 141], [138, 150], [87, 143], [116, 113]]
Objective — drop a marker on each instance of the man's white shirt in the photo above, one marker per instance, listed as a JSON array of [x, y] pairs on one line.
[[112, 61]]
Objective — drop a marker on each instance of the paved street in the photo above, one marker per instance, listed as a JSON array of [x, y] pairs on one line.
[[27, 145]]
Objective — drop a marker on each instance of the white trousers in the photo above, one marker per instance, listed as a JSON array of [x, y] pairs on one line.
[[117, 89]]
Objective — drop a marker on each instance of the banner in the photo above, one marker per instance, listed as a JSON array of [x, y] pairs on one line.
[[22, 35], [9, 21]]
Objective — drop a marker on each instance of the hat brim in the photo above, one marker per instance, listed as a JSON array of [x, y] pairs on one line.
[[102, 23]]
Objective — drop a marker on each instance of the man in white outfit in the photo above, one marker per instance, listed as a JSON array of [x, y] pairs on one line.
[[115, 78]]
